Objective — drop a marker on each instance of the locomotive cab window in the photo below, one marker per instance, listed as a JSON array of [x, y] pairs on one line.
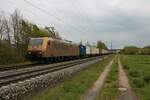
[[36, 42]]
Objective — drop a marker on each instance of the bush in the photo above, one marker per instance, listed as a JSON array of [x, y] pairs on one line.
[[130, 50], [145, 50], [146, 78], [134, 73], [126, 67], [8, 54], [139, 83]]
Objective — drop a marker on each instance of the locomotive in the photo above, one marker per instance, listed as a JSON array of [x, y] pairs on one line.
[[50, 49]]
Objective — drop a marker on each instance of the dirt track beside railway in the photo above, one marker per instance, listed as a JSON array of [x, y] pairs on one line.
[[94, 90], [126, 92]]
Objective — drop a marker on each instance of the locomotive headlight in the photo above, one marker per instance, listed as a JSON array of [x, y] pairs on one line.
[[40, 52]]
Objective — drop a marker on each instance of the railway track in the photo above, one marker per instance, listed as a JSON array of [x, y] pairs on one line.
[[15, 75], [20, 66]]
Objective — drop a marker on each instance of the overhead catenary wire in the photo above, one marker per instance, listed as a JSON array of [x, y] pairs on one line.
[[75, 6], [82, 16], [57, 18], [24, 9], [81, 12], [81, 8]]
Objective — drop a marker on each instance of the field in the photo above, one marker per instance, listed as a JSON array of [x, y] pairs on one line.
[[110, 88], [138, 71], [74, 87]]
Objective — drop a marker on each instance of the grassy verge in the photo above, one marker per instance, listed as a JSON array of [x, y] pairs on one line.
[[73, 87], [110, 88], [16, 64], [138, 71]]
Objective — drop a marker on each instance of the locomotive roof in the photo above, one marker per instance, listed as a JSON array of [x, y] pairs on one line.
[[63, 41], [59, 40]]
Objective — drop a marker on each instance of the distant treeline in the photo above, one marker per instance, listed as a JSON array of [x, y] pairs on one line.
[[136, 50], [14, 37]]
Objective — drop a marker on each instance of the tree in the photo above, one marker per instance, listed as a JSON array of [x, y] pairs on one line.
[[2, 26], [4, 29], [8, 37], [20, 31], [145, 50], [130, 50], [101, 45], [16, 28], [52, 32]]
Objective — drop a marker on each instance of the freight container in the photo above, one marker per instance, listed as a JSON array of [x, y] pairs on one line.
[[104, 51], [93, 50], [97, 51], [88, 50], [82, 50]]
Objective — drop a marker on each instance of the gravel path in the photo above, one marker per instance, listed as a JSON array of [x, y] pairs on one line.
[[94, 90], [124, 86]]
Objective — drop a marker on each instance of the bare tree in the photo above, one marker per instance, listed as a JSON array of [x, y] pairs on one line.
[[15, 27], [52, 32], [2, 26], [7, 30]]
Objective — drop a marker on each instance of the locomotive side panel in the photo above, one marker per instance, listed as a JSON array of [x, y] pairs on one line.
[[58, 49]]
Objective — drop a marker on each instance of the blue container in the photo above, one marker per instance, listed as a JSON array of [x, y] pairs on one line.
[[82, 50]]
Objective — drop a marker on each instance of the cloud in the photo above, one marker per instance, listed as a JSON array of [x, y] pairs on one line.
[[124, 22]]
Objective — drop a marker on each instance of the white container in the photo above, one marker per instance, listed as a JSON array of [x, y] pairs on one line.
[[88, 50], [93, 50], [97, 51], [104, 51]]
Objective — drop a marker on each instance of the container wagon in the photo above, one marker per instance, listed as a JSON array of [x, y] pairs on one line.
[[88, 51], [104, 52], [93, 51], [82, 51]]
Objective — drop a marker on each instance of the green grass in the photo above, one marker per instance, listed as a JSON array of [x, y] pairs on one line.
[[74, 87], [16, 64], [110, 88], [138, 71]]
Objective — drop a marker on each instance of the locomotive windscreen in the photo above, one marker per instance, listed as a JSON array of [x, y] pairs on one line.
[[36, 42]]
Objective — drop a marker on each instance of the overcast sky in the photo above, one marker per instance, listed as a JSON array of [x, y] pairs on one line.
[[122, 22]]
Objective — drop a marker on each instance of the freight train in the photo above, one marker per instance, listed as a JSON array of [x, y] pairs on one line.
[[50, 49]]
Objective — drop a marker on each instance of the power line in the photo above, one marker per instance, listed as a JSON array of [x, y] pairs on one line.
[[80, 11], [26, 10], [74, 5], [46, 12], [81, 27], [81, 8], [75, 8]]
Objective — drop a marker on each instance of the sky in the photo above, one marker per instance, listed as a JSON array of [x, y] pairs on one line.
[[120, 22]]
